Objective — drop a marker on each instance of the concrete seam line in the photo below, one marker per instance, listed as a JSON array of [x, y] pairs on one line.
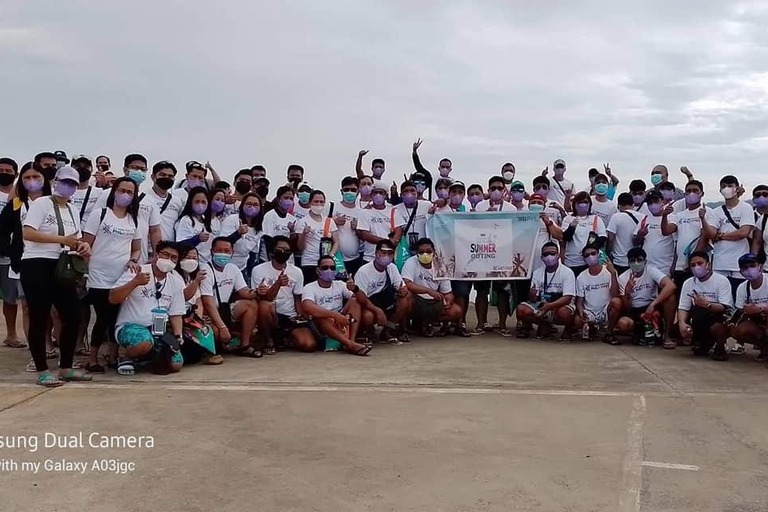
[[632, 478], [25, 400]]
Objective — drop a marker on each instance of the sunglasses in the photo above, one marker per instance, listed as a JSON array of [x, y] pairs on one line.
[[588, 254], [327, 267], [496, 188], [549, 254], [763, 193]]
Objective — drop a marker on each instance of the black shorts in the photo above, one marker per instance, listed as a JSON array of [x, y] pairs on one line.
[[287, 324], [428, 309], [354, 265]]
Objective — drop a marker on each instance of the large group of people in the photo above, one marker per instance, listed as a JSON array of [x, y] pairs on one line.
[[188, 268]]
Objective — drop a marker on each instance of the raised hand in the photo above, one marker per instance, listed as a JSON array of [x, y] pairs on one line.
[[417, 144], [283, 279], [204, 236], [362, 153], [201, 275], [243, 229], [545, 171], [607, 168]]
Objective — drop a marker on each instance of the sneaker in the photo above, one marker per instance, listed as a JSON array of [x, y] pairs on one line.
[[738, 349]]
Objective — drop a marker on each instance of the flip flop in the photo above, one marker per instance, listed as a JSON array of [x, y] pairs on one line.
[[248, 351], [364, 351], [14, 343], [94, 368], [31, 368], [52, 354], [72, 375], [48, 380], [125, 367]]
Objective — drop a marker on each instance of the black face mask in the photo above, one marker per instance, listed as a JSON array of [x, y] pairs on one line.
[[48, 172], [262, 191], [84, 174], [164, 183], [243, 187], [281, 256], [103, 167], [296, 182], [6, 179]]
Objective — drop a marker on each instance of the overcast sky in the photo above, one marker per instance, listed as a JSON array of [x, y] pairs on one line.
[[243, 82]]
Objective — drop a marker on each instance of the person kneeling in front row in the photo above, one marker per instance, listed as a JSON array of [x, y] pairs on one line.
[[750, 322], [152, 303], [645, 292], [597, 290], [434, 299], [553, 287], [383, 296], [323, 300], [705, 303]]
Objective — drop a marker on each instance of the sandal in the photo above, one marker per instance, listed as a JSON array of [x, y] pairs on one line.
[[669, 345], [125, 367], [428, 331], [387, 336], [248, 351], [505, 332], [214, 360], [52, 354], [269, 350], [364, 351], [94, 368], [72, 375], [738, 349], [31, 368], [48, 380], [14, 343], [461, 330]]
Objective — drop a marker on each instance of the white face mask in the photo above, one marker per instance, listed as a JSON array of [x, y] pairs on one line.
[[728, 192], [509, 175], [164, 265], [317, 210], [188, 265]]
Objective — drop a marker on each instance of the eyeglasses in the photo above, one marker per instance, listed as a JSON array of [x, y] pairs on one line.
[[549, 254], [588, 254], [327, 267], [388, 252], [518, 190]]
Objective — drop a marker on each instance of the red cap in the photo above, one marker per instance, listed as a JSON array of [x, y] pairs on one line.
[[538, 197]]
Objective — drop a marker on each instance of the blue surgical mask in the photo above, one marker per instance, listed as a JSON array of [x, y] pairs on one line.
[[303, 197], [536, 207], [601, 189], [349, 197], [221, 259], [137, 176], [656, 179]]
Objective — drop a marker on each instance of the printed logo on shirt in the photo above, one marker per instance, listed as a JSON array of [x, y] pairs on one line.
[[596, 286], [50, 220], [109, 229], [329, 300]]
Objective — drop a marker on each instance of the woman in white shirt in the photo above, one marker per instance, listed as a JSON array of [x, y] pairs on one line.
[[219, 210], [52, 226], [578, 229], [279, 221], [194, 224], [245, 231], [112, 233], [318, 236]]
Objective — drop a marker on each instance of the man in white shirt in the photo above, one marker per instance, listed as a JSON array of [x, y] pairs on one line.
[[334, 311], [347, 216], [637, 190], [621, 232], [601, 205], [597, 290], [750, 322], [705, 303], [434, 299], [728, 228], [195, 177], [412, 214], [648, 234], [152, 303], [646, 293], [86, 196], [222, 283], [380, 222], [561, 190], [168, 206], [279, 286], [495, 201]]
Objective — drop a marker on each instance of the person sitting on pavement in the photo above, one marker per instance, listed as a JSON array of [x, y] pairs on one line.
[[222, 282], [705, 303], [553, 287], [383, 296], [597, 291], [433, 299], [279, 286], [644, 291], [750, 322], [151, 303], [333, 309]]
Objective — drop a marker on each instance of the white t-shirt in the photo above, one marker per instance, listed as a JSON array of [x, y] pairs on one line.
[[228, 281], [111, 247], [504, 206], [646, 287], [554, 285], [688, 230], [169, 215], [78, 198], [267, 274], [137, 308], [758, 297], [300, 212], [555, 194], [188, 227], [604, 210], [623, 227], [148, 217], [659, 248], [372, 281], [380, 223], [349, 244], [414, 272], [275, 225], [182, 194], [727, 253], [247, 244], [311, 252], [42, 217], [596, 290], [331, 298], [716, 289], [573, 248], [418, 227], [759, 225]]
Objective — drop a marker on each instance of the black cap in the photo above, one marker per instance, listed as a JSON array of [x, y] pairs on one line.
[[262, 179], [748, 259], [194, 164], [61, 155], [653, 194]]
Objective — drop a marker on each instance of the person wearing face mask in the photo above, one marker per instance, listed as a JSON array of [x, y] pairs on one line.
[[50, 227], [194, 226], [189, 269], [86, 196], [318, 235], [113, 235], [244, 230], [516, 196], [168, 206], [660, 175], [541, 185], [218, 200], [422, 184], [9, 169], [562, 190], [103, 165], [550, 298], [279, 287], [444, 168], [728, 228], [151, 301], [278, 221], [475, 196], [508, 173], [597, 297], [611, 191], [685, 225], [243, 185], [667, 191], [537, 203], [601, 205], [333, 309], [705, 303], [495, 201], [195, 177], [295, 175], [366, 187], [380, 222], [760, 234], [412, 213], [61, 158], [648, 234], [383, 296], [750, 322], [434, 301], [377, 166], [258, 171], [347, 217], [223, 283], [577, 230], [644, 290], [637, 190], [261, 187], [45, 163], [455, 202], [621, 232]]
